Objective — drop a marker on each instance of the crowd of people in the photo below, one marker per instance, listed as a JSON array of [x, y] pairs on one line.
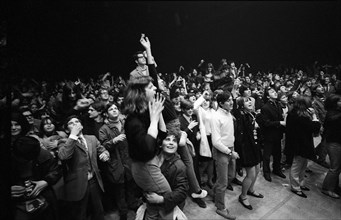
[[82, 148]]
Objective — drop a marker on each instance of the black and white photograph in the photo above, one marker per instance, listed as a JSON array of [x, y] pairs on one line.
[[155, 110]]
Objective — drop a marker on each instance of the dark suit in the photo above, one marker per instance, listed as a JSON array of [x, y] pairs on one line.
[[80, 191], [272, 131], [329, 89]]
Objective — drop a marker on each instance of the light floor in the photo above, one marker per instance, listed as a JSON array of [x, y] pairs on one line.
[[278, 202]]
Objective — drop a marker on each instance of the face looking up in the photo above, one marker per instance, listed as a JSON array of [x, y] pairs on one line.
[[93, 113], [272, 94], [150, 91], [170, 144], [141, 59], [113, 112]]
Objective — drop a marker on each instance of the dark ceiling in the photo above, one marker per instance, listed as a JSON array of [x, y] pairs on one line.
[[69, 39]]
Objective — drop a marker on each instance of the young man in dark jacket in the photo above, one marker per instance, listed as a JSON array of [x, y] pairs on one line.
[[272, 125]]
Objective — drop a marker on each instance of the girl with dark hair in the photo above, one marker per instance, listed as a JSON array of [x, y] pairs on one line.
[[49, 136], [301, 124], [144, 123], [332, 131], [247, 148], [19, 126]]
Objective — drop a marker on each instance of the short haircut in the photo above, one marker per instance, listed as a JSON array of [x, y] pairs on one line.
[[242, 89], [109, 105], [223, 97], [186, 104], [98, 106], [69, 119], [135, 56]]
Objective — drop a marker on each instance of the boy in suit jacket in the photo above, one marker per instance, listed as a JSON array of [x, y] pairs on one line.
[[82, 181]]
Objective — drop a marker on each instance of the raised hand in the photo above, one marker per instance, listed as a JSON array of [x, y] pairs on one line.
[[145, 41], [156, 107], [192, 125]]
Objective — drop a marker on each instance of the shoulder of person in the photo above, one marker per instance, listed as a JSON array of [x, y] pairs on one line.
[[44, 156]]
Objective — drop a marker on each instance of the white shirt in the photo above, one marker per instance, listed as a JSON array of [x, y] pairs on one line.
[[222, 130]]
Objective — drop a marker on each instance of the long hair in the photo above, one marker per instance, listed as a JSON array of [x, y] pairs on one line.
[[22, 121], [43, 122], [301, 105], [135, 100]]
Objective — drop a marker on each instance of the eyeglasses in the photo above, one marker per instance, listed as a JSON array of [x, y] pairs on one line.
[[28, 116]]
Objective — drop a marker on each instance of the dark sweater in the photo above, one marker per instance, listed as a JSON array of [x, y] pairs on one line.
[[174, 171], [168, 112], [299, 135], [142, 146], [332, 126], [269, 121]]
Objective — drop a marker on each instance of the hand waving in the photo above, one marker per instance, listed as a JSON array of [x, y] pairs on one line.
[[192, 124], [145, 41]]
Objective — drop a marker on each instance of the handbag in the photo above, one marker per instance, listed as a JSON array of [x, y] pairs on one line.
[[33, 206]]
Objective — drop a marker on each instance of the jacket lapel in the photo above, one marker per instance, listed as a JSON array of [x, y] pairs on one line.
[[80, 146]]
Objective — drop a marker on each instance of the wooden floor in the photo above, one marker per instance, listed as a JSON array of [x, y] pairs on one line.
[[278, 202]]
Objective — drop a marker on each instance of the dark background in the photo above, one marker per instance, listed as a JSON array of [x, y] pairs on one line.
[[54, 40]]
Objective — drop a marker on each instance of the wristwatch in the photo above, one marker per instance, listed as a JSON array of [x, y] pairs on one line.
[[230, 154]]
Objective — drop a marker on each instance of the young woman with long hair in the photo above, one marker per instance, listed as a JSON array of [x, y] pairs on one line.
[[301, 124]]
